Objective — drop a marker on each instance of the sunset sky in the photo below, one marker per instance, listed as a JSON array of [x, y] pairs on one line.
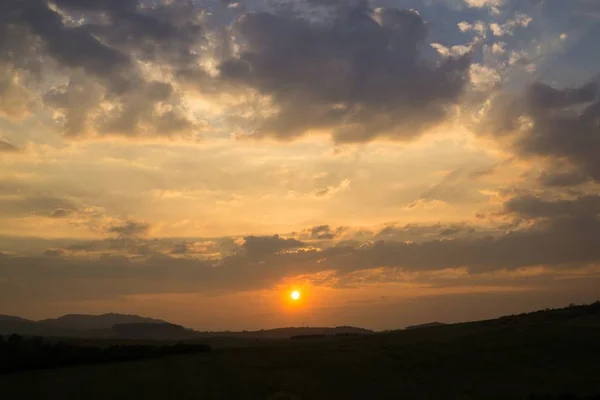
[[395, 161]]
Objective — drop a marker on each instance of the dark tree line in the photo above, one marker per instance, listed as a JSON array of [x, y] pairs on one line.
[[563, 397], [18, 353]]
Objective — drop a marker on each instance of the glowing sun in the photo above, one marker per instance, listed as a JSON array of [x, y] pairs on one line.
[[295, 295]]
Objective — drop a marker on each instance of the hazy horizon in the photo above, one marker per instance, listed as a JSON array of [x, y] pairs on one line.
[[394, 162]]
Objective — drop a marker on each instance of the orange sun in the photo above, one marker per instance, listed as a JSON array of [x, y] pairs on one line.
[[295, 295]]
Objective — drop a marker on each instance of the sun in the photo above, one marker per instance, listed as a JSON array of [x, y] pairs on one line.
[[295, 295]]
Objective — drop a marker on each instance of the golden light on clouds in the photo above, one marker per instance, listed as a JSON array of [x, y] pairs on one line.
[[223, 159]]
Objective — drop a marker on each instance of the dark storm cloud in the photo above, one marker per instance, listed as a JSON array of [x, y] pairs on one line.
[[361, 74], [556, 124]]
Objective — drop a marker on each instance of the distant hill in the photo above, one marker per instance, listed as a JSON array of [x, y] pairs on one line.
[[104, 321], [13, 318], [428, 325], [71, 325], [22, 326], [136, 327]]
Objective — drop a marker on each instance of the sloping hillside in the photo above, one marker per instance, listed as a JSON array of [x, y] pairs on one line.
[[104, 321]]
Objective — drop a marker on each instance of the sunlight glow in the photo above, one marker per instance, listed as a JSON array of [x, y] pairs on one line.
[[295, 295]]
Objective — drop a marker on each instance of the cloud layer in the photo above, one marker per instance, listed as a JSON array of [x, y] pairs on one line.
[[192, 148]]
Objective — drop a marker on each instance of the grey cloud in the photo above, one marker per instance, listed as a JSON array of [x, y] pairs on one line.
[[535, 207], [7, 147], [421, 233], [76, 99], [561, 125], [72, 46], [60, 213], [41, 205], [140, 245], [122, 245], [563, 179], [542, 96], [168, 33], [129, 228], [341, 3], [265, 245], [200, 247], [360, 74], [99, 52], [54, 253], [450, 231], [324, 232], [482, 173], [180, 248]]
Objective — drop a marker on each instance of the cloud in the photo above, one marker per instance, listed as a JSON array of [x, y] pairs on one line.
[[493, 5], [563, 178], [256, 246], [563, 234], [95, 54], [535, 207], [556, 124], [321, 232], [129, 228], [15, 205], [54, 253], [483, 77], [479, 26], [15, 99], [60, 213], [7, 147], [509, 27], [359, 76]]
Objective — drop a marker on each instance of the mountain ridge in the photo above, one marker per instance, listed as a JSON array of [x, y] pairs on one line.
[[98, 321], [115, 325]]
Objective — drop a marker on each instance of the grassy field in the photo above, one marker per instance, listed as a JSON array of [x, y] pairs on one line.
[[546, 353]]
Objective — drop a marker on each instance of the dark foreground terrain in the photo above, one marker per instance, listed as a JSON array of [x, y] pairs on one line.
[[553, 354]]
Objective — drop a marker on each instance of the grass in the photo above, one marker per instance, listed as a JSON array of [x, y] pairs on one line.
[[547, 353]]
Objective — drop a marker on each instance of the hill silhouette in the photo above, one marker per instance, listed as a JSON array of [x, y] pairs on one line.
[[113, 325], [103, 321], [12, 318], [427, 325], [16, 325]]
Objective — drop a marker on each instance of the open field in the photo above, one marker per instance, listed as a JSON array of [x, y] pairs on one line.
[[545, 353]]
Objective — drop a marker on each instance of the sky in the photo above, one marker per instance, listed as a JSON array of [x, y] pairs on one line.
[[396, 161]]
